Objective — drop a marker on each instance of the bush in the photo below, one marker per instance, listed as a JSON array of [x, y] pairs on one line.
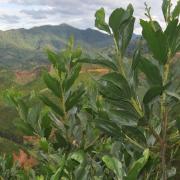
[[117, 132]]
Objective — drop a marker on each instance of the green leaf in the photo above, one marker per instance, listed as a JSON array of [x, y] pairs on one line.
[[178, 123], [135, 134], [138, 166], [116, 20], [74, 98], [127, 34], [114, 165], [76, 53], [53, 84], [78, 156], [176, 10], [136, 59], [173, 94], [119, 83], [105, 124], [165, 7], [46, 125], [33, 115], [130, 10], [59, 171], [52, 57], [152, 93], [82, 172], [53, 106], [22, 109], [156, 41], [44, 145], [103, 62], [151, 71], [100, 21], [25, 128], [172, 33], [69, 81]]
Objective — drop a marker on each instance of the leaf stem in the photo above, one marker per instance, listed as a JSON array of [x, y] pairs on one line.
[[119, 59], [164, 122]]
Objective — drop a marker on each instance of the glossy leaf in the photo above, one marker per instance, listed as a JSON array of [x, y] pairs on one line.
[[78, 156], [118, 82], [115, 21], [138, 166], [156, 41], [172, 33], [114, 165], [151, 71]]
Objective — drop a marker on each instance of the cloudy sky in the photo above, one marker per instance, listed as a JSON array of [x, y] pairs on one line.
[[78, 13]]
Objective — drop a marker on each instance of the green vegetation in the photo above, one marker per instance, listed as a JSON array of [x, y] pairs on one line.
[[123, 124], [25, 48]]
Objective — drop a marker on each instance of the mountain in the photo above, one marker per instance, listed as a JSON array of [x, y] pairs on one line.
[[24, 48]]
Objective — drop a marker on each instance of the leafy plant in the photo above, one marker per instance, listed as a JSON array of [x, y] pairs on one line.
[[124, 116], [121, 132]]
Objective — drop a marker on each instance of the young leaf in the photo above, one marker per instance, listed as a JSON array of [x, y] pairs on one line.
[[69, 81], [114, 165], [53, 106], [52, 57], [76, 53], [115, 21], [53, 84], [138, 166], [176, 11], [127, 34], [100, 21], [156, 41], [136, 59], [165, 7]]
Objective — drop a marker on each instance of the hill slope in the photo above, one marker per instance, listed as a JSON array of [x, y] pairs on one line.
[[24, 48]]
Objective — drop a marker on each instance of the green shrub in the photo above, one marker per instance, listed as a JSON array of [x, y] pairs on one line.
[[115, 132]]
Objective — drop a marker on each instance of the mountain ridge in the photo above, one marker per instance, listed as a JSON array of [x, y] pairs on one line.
[[25, 47]]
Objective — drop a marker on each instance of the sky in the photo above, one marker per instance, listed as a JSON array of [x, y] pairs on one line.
[[78, 13]]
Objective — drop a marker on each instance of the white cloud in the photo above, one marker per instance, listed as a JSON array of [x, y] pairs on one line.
[[79, 13]]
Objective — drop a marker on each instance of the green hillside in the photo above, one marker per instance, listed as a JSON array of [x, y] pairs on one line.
[[17, 47], [24, 48]]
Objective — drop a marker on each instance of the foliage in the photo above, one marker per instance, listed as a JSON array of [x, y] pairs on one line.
[[112, 132]]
